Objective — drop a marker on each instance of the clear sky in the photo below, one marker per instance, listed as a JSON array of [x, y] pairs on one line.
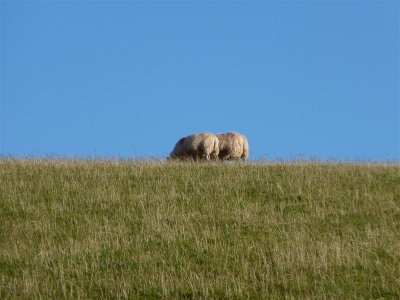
[[309, 79]]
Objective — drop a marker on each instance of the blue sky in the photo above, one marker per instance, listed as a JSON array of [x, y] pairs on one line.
[[307, 79]]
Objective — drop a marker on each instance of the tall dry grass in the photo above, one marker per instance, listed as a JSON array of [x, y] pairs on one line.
[[83, 229]]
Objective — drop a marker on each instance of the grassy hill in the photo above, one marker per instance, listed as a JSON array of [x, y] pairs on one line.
[[129, 229]]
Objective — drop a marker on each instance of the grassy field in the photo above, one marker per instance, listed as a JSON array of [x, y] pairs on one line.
[[129, 229]]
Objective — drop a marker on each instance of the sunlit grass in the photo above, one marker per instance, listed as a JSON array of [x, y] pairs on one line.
[[131, 229]]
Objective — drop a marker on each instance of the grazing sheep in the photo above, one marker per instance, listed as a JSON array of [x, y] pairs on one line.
[[196, 146], [233, 146]]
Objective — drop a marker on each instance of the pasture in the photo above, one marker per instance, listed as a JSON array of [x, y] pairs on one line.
[[121, 229]]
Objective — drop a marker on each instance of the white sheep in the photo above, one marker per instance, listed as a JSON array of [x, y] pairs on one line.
[[196, 146], [233, 146]]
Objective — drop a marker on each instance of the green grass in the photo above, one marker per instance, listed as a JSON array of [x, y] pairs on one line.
[[129, 229]]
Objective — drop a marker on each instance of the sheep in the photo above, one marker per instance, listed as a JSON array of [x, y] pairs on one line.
[[196, 146], [233, 146]]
